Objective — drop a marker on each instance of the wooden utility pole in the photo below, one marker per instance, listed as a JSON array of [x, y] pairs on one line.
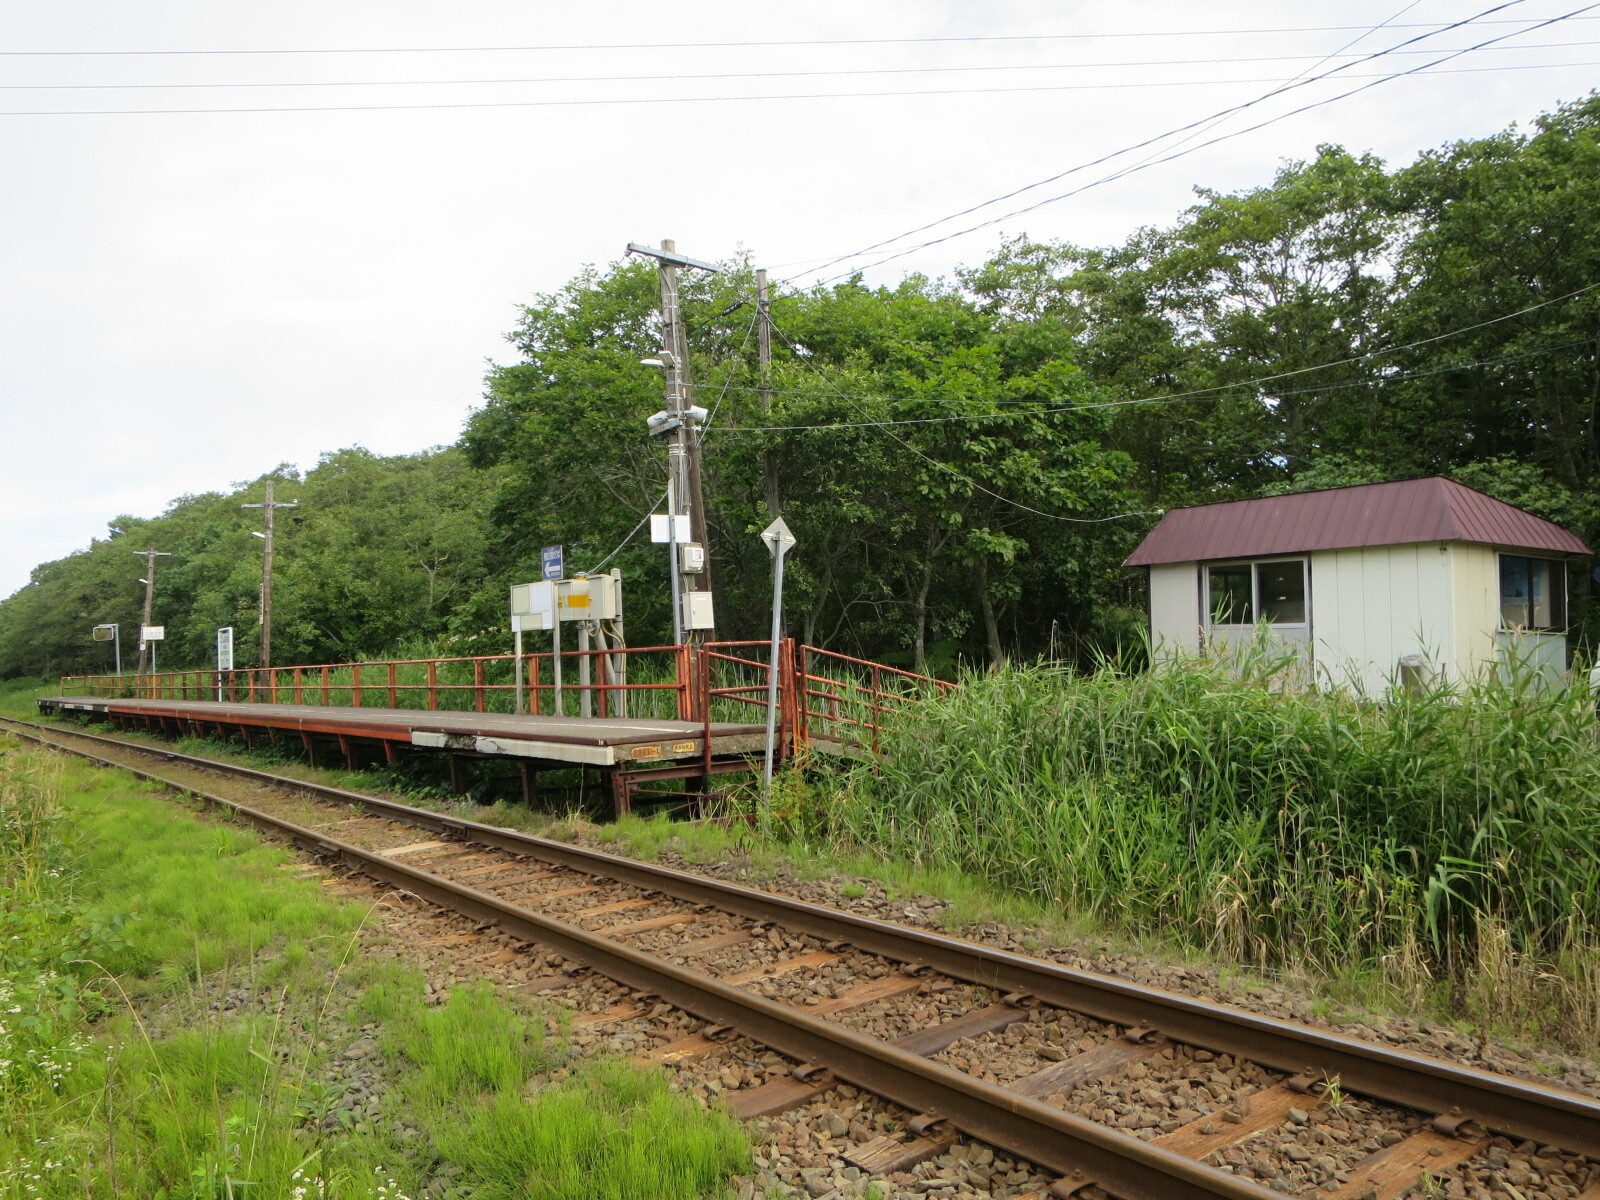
[[146, 650], [769, 466], [684, 451], [266, 571]]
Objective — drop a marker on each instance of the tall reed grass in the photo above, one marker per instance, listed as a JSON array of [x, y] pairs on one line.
[[1447, 841]]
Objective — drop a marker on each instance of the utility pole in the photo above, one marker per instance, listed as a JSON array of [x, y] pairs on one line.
[[683, 453], [149, 556], [769, 467], [266, 571]]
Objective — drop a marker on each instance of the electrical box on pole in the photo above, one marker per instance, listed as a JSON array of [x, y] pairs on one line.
[[697, 612]]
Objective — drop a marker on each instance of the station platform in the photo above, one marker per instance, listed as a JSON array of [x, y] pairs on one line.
[[627, 752]]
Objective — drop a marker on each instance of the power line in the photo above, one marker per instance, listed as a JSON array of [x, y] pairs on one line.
[[658, 46], [609, 102], [738, 363], [944, 466], [1162, 399], [1181, 153], [840, 72], [1339, 53]]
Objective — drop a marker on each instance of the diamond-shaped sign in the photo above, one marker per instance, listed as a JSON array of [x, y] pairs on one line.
[[777, 535]]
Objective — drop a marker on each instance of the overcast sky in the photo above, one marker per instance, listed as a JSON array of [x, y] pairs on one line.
[[193, 297]]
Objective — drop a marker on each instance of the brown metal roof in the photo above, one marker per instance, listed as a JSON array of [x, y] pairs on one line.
[[1374, 514]]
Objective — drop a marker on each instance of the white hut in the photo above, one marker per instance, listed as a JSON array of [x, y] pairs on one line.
[[1373, 582]]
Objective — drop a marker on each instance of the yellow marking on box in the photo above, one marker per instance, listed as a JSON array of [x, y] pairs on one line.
[[646, 752], [683, 747]]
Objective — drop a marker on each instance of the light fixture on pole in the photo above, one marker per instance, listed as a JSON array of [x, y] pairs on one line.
[[265, 656], [147, 652], [692, 593], [778, 540]]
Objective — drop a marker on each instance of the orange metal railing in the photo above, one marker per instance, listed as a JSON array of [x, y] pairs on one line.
[[823, 696]]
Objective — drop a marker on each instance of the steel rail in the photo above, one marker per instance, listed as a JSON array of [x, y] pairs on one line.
[[1080, 1149], [1526, 1110]]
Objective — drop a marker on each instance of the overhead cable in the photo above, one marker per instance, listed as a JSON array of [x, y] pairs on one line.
[[1121, 173], [613, 102], [678, 77], [1167, 398], [659, 46]]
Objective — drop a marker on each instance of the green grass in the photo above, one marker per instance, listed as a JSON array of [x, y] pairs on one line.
[[17, 696], [1444, 845], [123, 921]]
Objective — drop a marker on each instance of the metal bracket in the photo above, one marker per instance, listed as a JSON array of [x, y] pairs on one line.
[[1456, 1124], [719, 1033], [929, 1125], [1069, 1186], [1142, 1035], [1020, 1000], [1310, 1082], [812, 1073]]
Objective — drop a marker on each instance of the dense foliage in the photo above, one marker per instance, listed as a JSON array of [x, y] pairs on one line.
[[1343, 323]]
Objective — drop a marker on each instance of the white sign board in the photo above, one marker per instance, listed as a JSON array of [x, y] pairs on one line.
[[533, 606], [152, 633], [660, 531], [225, 648]]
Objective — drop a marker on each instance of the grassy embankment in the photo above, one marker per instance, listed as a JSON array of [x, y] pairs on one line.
[[1437, 853], [1439, 849], [175, 1013]]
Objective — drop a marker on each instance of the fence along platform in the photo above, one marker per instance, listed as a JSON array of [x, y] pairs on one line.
[[643, 714]]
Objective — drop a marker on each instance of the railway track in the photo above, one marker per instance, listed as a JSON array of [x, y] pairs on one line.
[[1076, 1045]]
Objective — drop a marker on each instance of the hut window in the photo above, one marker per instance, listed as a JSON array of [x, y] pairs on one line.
[[1533, 593], [1243, 593]]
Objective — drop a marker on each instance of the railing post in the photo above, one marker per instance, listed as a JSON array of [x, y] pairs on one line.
[[604, 676], [684, 667], [433, 685], [251, 694], [297, 685], [327, 696], [392, 703], [477, 683], [877, 709], [533, 684], [704, 656], [355, 685], [789, 693]]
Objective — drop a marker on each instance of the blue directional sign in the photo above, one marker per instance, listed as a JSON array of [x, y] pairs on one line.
[[551, 559]]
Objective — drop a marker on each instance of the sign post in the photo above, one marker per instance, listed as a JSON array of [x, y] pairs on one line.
[[778, 540], [113, 634], [551, 559], [224, 655], [148, 636]]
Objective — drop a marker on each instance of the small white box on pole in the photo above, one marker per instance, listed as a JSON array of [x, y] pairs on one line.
[[697, 611]]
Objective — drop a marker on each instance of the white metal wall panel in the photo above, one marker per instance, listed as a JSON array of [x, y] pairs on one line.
[[1475, 577], [1174, 609], [1374, 605]]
